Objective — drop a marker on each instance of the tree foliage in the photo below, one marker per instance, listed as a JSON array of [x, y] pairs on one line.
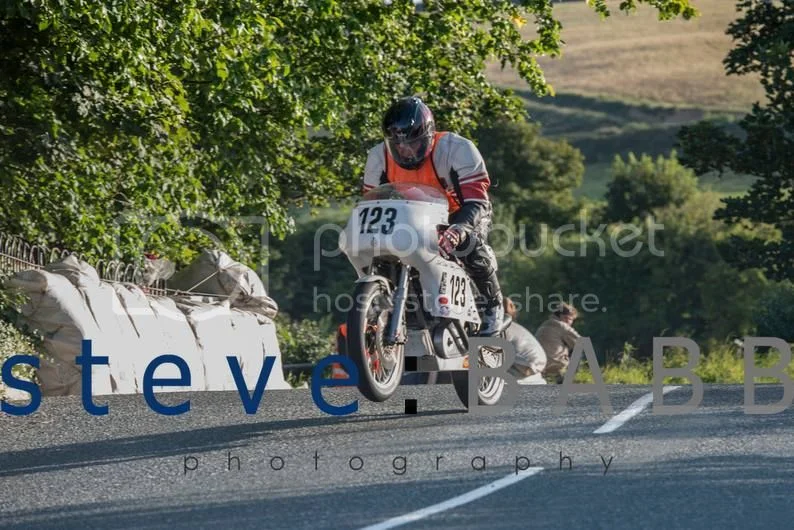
[[141, 125], [638, 187], [304, 341], [775, 317], [675, 284], [536, 176], [308, 273], [764, 37]]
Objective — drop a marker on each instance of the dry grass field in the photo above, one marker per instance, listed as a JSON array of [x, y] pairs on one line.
[[629, 82], [639, 58]]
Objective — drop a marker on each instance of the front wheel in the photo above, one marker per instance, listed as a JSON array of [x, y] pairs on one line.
[[490, 388], [380, 367]]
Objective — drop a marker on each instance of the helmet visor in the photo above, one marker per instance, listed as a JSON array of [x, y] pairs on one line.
[[408, 153]]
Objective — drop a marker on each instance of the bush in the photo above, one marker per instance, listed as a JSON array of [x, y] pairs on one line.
[[13, 339], [14, 342], [722, 363], [638, 187], [688, 291], [10, 299], [534, 175], [303, 341], [304, 282], [775, 315]]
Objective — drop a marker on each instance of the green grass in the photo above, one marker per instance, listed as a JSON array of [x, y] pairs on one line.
[[597, 176], [602, 128], [722, 364]]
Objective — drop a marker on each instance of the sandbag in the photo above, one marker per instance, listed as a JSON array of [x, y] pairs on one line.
[[135, 305], [117, 338], [216, 273], [162, 329], [57, 310], [212, 327], [248, 347], [271, 347], [68, 303], [175, 337], [223, 332]]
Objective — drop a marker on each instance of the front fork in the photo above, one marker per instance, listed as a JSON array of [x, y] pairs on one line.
[[400, 296]]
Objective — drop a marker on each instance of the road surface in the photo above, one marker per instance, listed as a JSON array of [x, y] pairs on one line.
[[293, 466]]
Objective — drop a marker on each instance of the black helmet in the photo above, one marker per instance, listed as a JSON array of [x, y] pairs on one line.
[[408, 130]]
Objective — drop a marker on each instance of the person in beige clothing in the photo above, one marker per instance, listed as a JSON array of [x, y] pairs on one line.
[[558, 338]]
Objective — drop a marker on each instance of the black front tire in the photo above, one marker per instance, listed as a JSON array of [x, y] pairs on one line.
[[365, 330]]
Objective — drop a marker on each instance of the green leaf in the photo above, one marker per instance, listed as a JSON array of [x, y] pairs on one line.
[[221, 71]]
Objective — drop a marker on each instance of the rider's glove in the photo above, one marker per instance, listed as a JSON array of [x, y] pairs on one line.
[[450, 239]]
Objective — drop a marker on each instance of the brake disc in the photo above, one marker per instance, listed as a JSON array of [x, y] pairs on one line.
[[386, 353]]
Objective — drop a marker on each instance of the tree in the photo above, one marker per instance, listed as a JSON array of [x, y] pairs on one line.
[[308, 273], [638, 187], [633, 282], [536, 176], [764, 36], [775, 317], [120, 121]]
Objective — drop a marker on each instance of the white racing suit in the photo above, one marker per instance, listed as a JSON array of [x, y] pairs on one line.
[[455, 166]]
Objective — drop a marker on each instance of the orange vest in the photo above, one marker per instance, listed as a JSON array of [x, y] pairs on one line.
[[424, 174]]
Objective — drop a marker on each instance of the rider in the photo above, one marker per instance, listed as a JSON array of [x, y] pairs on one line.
[[413, 151]]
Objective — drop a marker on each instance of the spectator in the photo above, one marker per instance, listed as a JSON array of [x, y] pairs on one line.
[[530, 357], [558, 337]]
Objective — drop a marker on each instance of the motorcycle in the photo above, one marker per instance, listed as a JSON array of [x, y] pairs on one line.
[[411, 305]]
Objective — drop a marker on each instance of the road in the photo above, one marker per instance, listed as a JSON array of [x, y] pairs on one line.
[[214, 465]]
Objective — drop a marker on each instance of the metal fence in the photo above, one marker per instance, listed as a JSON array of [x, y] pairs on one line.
[[17, 254]]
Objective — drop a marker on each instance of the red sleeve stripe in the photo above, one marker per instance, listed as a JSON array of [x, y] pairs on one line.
[[475, 190]]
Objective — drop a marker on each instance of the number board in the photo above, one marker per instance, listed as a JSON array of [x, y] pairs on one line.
[[377, 220], [454, 292]]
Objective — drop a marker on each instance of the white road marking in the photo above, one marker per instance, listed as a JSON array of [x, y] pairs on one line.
[[454, 502], [634, 409]]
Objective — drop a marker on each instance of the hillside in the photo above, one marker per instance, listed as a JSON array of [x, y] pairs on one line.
[[628, 83], [639, 58]]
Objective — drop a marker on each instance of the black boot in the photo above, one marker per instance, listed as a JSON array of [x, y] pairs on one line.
[[492, 303]]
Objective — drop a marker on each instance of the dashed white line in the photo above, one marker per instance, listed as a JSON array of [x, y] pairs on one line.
[[454, 502], [633, 409], [610, 426]]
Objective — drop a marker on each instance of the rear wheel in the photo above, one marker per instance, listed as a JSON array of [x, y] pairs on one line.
[[490, 388], [380, 367]]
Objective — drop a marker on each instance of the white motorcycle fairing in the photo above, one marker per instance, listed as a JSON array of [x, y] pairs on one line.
[[407, 229]]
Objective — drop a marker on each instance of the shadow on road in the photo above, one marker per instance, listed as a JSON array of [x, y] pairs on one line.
[[726, 491], [130, 449]]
